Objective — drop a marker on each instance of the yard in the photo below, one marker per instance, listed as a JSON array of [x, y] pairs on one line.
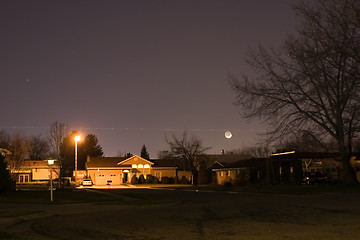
[[267, 212]]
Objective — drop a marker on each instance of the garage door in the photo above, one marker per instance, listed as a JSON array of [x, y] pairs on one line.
[[103, 179]]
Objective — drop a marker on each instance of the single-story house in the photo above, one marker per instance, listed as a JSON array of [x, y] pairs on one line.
[[120, 170], [328, 164], [285, 167], [240, 172], [29, 171]]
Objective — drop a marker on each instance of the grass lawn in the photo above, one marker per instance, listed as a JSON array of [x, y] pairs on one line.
[[272, 189], [60, 197], [195, 212]]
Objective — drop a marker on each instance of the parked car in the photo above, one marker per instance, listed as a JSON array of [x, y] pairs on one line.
[[87, 182], [314, 178]]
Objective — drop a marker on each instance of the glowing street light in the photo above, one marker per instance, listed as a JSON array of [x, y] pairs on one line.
[[77, 138], [51, 162]]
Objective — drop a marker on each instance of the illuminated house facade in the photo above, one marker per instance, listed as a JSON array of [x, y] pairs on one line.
[[120, 170], [29, 171]]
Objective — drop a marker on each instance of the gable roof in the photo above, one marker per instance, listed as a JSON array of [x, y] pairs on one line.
[[117, 162], [135, 157], [215, 164]]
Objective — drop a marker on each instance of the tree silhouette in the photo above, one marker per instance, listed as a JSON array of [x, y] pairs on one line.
[[312, 84], [144, 153], [5, 179], [186, 150], [87, 147]]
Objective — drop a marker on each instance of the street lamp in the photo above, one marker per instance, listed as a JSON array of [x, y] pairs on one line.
[[77, 138], [51, 162]]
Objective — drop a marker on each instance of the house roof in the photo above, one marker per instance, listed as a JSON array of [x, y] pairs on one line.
[[245, 163], [215, 165], [163, 163], [135, 157], [100, 162], [109, 162], [301, 155], [34, 164], [223, 159]]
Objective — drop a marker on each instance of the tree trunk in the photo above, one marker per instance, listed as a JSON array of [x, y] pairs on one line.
[[349, 174]]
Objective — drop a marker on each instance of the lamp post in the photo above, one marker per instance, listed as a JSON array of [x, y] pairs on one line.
[[51, 162], [77, 138]]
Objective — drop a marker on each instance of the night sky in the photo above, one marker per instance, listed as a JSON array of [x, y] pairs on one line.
[[132, 72]]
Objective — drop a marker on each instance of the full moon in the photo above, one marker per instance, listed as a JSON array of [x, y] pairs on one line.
[[228, 134]]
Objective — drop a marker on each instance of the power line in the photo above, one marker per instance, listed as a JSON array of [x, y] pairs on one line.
[[140, 129]]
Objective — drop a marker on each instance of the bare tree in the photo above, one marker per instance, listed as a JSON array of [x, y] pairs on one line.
[[58, 131], [311, 84], [4, 139], [186, 150], [19, 147], [259, 151], [38, 148]]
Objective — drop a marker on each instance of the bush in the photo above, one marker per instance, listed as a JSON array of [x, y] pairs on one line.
[[150, 178], [165, 180], [156, 180], [240, 179], [184, 180], [141, 179], [134, 180], [171, 180]]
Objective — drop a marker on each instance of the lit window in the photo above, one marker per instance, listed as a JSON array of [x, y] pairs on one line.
[[140, 166], [134, 166], [146, 166]]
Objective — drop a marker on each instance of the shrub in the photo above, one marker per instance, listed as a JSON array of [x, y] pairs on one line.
[[240, 179], [165, 180], [141, 179], [184, 180], [150, 178], [171, 180], [176, 180], [156, 180], [134, 180]]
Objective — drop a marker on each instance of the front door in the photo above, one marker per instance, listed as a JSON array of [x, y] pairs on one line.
[[125, 177]]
